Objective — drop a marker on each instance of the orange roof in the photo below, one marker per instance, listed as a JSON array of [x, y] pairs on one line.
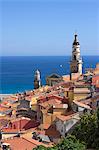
[[82, 105], [14, 98], [66, 77], [39, 143], [51, 96], [3, 109], [66, 117], [97, 68], [93, 99], [9, 130], [20, 143], [46, 126], [81, 90], [95, 80], [50, 103]]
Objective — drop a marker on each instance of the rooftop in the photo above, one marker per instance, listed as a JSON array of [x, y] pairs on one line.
[[20, 143], [52, 102], [68, 117], [82, 105]]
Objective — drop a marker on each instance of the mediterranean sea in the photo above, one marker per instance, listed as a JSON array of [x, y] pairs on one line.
[[17, 72]]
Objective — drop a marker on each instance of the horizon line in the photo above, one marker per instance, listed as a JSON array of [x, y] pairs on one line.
[[41, 55]]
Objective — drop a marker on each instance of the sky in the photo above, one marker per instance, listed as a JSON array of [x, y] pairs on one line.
[[47, 27]]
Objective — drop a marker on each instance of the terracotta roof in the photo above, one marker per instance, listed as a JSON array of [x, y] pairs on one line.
[[2, 108], [64, 118], [54, 96], [22, 108], [9, 130], [66, 77], [93, 99], [69, 113], [46, 126], [81, 83], [23, 124], [50, 103], [60, 106], [68, 117], [28, 135], [14, 98], [20, 143], [11, 98], [82, 105], [81, 90], [75, 76], [95, 80]]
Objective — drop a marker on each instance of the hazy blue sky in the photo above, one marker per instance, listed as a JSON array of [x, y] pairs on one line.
[[47, 27]]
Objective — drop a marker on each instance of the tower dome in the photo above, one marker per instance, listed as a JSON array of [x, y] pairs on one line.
[[37, 79], [76, 40], [37, 75]]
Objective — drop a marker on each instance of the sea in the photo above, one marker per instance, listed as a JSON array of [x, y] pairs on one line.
[[17, 72]]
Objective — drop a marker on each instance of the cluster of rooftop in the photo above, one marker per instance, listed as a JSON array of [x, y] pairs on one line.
[[43, 115]]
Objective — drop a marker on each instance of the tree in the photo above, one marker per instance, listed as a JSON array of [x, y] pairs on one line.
[[88, 130], [40, 148], [68, 143], [98, 119], [85, 131], [96, 141]]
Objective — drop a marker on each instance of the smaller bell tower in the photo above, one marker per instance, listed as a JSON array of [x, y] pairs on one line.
[[37, 79], [76, 60]]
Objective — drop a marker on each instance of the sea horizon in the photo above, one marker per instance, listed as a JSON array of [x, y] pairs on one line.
[[17, 72], [44, 55]]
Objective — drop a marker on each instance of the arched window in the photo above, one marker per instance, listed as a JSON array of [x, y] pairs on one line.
[[74, 57]]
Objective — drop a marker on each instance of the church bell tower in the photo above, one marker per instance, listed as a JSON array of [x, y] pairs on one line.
[[76, 60], [37, 79]]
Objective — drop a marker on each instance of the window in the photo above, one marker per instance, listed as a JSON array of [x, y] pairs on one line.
[[62, 129], [74, 57], [50, 110], [97, 103]]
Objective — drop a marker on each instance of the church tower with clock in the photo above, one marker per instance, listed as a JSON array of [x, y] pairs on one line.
[[76, 60]]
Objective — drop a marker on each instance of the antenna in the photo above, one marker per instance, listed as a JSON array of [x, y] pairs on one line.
[[75, 32]]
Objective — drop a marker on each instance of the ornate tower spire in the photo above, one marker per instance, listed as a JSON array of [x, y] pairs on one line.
[[76, 40]]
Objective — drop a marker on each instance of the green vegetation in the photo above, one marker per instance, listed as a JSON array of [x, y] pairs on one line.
[[68, 143], [88, 130]]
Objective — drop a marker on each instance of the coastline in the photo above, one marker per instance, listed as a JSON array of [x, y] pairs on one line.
[[18, 72], [4, 95]]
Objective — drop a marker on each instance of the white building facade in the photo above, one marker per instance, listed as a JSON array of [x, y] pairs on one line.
[[65, 125], [37, 79]]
